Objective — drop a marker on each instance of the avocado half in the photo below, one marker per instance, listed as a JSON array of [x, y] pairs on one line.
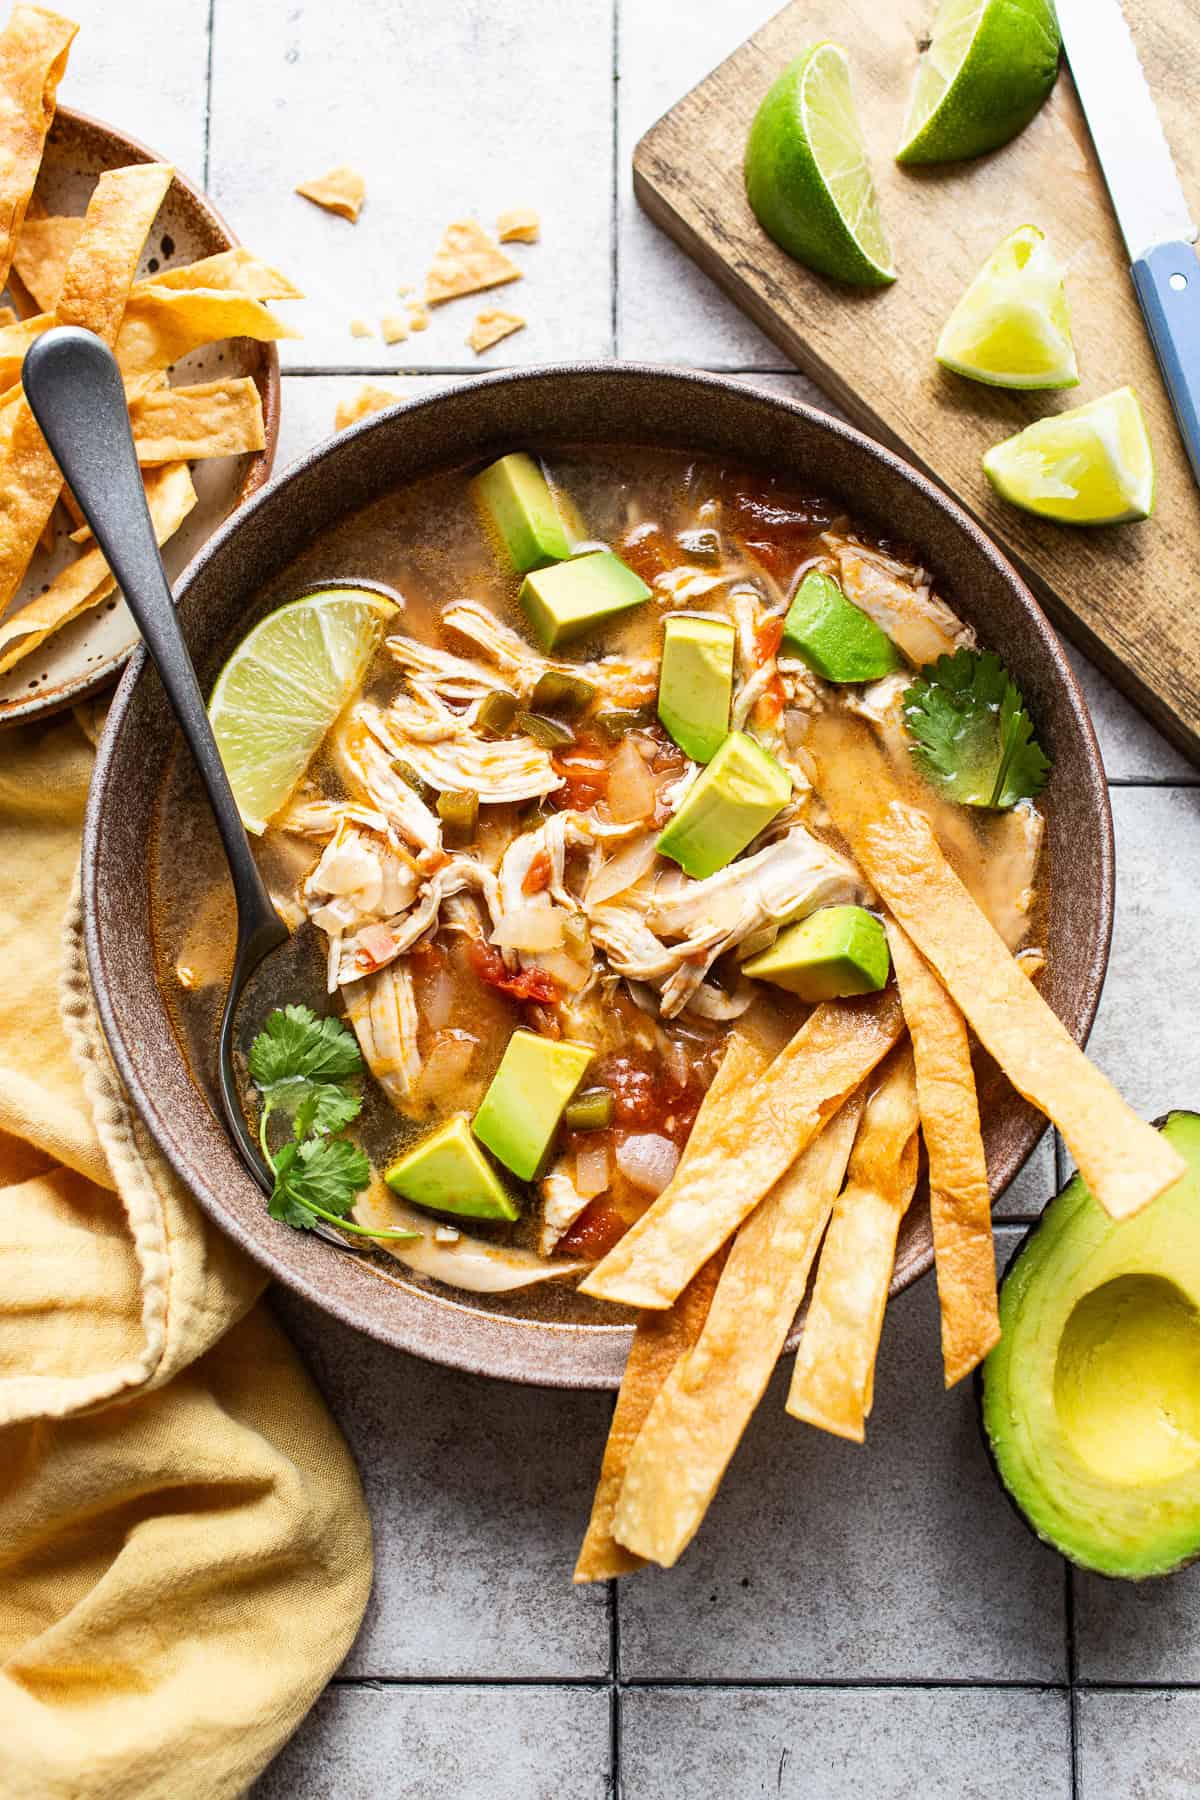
[[1090, 1402]]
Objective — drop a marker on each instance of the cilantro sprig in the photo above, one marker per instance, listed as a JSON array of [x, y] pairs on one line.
[[300, 1065], [971, 734]]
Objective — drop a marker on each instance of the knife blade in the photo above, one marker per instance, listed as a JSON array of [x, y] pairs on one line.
[[1147, 196]]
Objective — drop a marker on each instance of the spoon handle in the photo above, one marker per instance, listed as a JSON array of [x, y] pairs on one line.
[[77, 396]]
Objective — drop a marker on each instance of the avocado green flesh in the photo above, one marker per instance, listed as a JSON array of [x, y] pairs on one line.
[[569, 598], [739, 792], [1091, 1399], [519, 1114], [517, 502], [836, 952], [448, 1172], [695, 683], [834, 637]]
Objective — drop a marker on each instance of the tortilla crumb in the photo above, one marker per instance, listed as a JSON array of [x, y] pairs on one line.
[[361, 328], [369, 399], [404, 288], [342, 191], [419, 318], [490, 327], [467, 261], [520, 226], [393, 328]]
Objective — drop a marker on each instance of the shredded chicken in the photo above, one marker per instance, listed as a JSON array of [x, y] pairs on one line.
[[900, 599], [366, 767], [383, 1011], [562, 1204], [520, 665]]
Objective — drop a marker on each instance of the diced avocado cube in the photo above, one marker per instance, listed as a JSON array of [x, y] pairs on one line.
[[729, 803], [519, 1114], [448, 1172], [836, 638], [695, 682], [838, 951], [517, 502], [570, 598]]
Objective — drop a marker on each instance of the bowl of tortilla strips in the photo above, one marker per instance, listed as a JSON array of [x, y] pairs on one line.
[[96, 230]]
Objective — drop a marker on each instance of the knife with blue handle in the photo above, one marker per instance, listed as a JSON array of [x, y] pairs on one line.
[[1147, 198]]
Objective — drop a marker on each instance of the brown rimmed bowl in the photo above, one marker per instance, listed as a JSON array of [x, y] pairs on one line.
[[598, 404], [90, 652]]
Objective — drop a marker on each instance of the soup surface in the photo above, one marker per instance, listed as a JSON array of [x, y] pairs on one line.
[[475, 851]]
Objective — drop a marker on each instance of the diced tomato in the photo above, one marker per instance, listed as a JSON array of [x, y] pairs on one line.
[[648, 1095], [584, 772], [777, 532], [649, 551], [770, 703], [539, 873], [768, 639], [521, 984], [598, 1227]]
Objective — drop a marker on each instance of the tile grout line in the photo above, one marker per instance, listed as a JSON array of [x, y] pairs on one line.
[[1072, 1675], [614, 1690], [763, 1683], [208, 89]]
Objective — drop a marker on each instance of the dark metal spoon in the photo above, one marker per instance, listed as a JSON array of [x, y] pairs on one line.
[[75, 390]]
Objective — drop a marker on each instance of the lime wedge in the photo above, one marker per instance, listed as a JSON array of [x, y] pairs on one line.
[[807, 176], [284, 686], [1011, 327], [989, 66], [1090, 466]]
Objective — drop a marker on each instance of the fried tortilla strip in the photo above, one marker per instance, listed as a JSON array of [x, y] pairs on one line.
[[235, 271], [163, 324], [960, 1199], [369, 399], [34, 47], [1124, 1161], [41, 256], [211, 418], [342, 191], [660, 1340], [520, 225], [759, 1131], [88, 580], [696, 1423], [95, 289], [467, 261], [834, 1376], [490, 327]]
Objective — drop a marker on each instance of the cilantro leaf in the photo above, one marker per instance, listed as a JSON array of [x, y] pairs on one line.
[[971, 734], [323, 1109], [294, 1042]]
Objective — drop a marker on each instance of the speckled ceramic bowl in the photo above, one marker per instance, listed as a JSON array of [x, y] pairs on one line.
[[89, 653], [595, 404]]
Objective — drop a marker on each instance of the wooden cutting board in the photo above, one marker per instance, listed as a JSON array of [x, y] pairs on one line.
[[1129, 594]]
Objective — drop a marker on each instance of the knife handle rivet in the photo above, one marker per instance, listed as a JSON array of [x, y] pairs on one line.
[[1179, 282]]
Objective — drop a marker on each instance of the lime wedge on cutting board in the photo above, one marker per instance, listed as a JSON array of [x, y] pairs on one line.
[[1090, 466], [283, 687], [807, 176], [1011, 327], [989, 66]]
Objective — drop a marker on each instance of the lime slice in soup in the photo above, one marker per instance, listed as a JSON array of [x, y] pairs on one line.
[[1011, 327], [807, 176], [284, 686], [989, 66], [1090, 466]]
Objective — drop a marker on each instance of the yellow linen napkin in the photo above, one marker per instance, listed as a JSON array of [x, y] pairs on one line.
[[185, 1555]]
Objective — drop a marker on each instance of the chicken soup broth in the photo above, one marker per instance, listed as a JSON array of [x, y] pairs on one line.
[[475, 851]]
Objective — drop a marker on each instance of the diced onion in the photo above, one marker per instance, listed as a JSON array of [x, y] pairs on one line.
[[622, 871], [530, 928], [632, 793], [648, 1161], [438, 1000], [445, 1067], [591, 1170]]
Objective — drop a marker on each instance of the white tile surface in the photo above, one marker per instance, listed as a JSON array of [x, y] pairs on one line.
[[140, 65], [825, 1561], [1139, 1746], [446, 1743], [478, 1492], [831, 1744], [1145, 1037], [450, 110], [667, 310]]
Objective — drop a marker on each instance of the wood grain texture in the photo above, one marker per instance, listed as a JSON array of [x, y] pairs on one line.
[[1127, 594]]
